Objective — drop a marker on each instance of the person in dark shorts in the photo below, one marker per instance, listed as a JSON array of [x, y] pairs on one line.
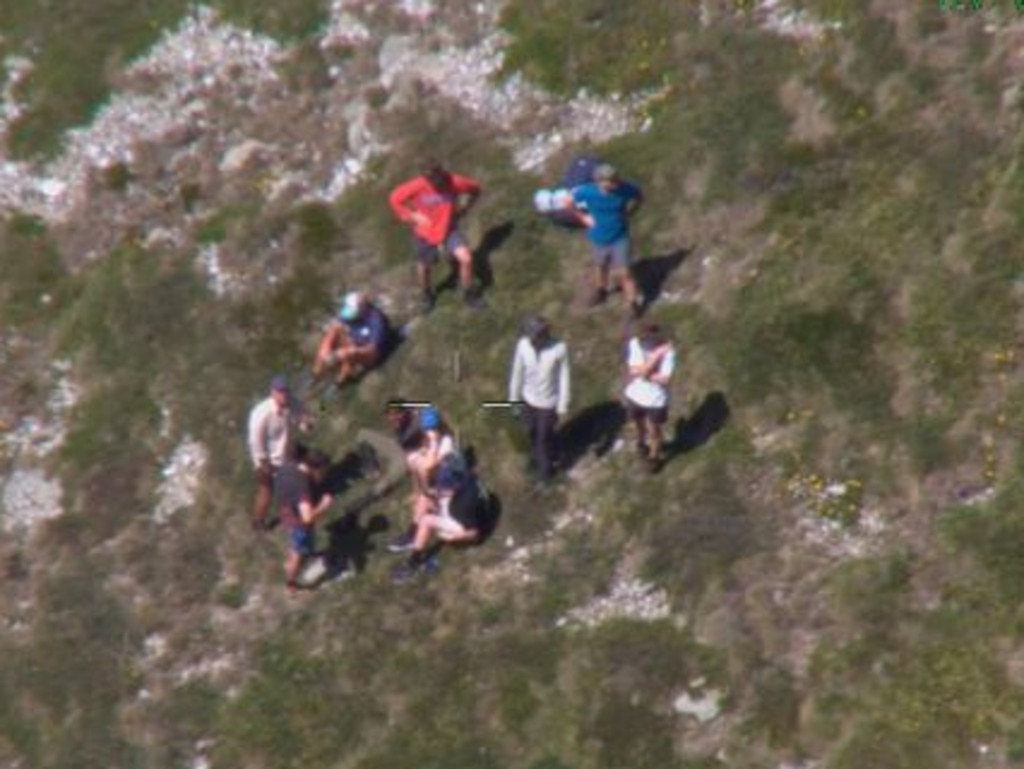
[[432, 203], [272, 427], [454, 516], [302, 499], [650, 361], [353, 341], [605, 207], [540, 381], [435, 441]]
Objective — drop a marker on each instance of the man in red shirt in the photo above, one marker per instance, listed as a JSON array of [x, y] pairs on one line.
[[432, 203]]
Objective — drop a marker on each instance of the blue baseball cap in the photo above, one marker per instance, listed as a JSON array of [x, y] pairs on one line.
[[279, 383], [430, 418]]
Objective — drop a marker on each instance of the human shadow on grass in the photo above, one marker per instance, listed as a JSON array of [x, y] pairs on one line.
[[492, 240], [349, 543], [695, 431], [594, 429], [650, 274], [349, 540]]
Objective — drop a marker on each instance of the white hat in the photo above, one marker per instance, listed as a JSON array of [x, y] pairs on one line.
[[351, 305]]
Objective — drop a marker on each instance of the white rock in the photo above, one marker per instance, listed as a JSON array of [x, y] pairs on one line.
[[835, 489], [343, 29], [238, 157], [629, 599], [778, 17], [182, 476], [704, 708], [29, 496], [419, 9]]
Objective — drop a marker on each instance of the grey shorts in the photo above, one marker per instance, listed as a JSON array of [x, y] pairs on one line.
[[614, 255], [429, 254]]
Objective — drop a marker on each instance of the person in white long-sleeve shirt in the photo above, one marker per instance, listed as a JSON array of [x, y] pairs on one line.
[[540, 381], [271, 439]]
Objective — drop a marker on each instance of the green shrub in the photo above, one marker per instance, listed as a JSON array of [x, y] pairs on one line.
[[565, 45], [296, 712], [73, 52], [34, 285], [287, 20], [992, 535]]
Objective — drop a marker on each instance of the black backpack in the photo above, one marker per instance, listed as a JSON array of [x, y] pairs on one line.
[[580, 171]]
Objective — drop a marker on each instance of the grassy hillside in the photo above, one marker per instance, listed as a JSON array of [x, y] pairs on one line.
[[833, 233]]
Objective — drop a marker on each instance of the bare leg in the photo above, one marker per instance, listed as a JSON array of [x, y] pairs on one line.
[[655, 439], [640, 421], [344, 371], [264, 496], [625, 279], [292, 565], [422, 538], [464, 257]]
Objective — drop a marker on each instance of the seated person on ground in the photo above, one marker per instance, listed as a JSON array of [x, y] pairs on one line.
[[432, 443], [453, 516], [436, 443], [354, 341]]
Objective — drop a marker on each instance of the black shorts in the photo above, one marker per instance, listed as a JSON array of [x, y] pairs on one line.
[[658, 416], [265, 477]]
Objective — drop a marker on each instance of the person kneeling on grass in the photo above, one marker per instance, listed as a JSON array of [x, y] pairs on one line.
[[452, 516], [354, 341], [302, 501]]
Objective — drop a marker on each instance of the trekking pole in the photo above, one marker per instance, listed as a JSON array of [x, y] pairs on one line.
[[514, 408]]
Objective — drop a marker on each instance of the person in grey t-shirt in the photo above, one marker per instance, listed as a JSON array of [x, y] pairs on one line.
[[540, 381]]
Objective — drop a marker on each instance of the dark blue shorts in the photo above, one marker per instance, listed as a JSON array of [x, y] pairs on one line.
[[302, 540]]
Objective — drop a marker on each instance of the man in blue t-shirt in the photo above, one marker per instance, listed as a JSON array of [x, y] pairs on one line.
[[605, 206], [354, 341]]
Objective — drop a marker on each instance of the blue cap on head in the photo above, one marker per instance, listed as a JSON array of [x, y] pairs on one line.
[[279, 383], [430, 418]]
